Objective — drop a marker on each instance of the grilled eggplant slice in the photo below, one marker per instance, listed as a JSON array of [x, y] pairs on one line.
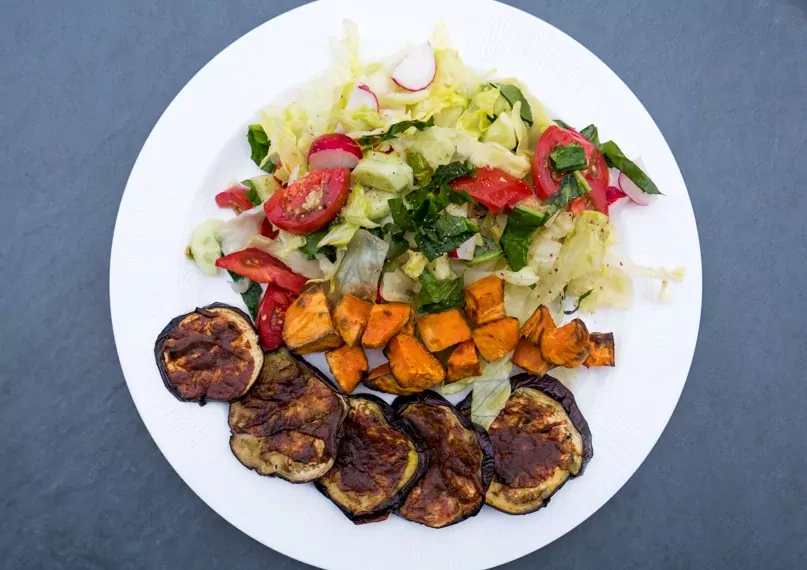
[[290, 422], [212, 353], [460, 462], [540, 440], [380, 459]]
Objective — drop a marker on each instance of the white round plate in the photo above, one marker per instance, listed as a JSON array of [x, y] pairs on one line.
[[198, 147]]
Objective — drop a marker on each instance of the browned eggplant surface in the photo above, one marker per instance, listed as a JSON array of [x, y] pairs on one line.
[[540, 439], [379, 460], [290, 422], [460, 462], [212, 353]]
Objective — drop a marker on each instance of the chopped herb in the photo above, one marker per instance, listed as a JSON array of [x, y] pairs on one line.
[[438, 295], [617, 159], [252, 193], [568, 158], [395, 130], [259, 145], [400, 214], [488, 251], [446, 234], [571, 186], [425, 203], [420, 168], [310, 248], [517, 236], [580, 300], [514, 94], [397, 243], [251, 297], [562, 124]]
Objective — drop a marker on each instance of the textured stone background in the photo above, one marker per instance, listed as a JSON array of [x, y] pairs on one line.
[[81, 483]]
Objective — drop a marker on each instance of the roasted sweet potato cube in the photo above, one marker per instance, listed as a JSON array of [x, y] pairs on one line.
[[463, 362], [495, 340], [438, 331], [348, 364], [350, 318], [541, 319], [600, 350], [528, 356], [308, 326], [381, 379], [410, 325], [484, 300], [386, 320], [412, 365], [567, 345]]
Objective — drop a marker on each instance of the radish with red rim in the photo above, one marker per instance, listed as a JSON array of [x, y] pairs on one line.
[[334, 150], [417, 70], [363, 96]]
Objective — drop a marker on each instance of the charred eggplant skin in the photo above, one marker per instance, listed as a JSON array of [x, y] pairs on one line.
[[552, 388], [303, 368], [561, 394], [382, 511], [168, 330], [487, 469]]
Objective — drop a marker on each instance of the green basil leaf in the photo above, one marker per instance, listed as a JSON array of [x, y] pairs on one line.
[[488, 251], [446, 234], [395, 130], [615, 157], [514, 94], [562, 124], [310, 248], [591, 133], [397, 243], [401, 214], [517, 236], [259, 145], [568, 158], [252, 298], [438, 295], [580, 299], [571, 186], [252, 193], [420, 168]]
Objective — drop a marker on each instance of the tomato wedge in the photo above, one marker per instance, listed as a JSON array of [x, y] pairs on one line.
[[234, 197], [311, 202], [547, 179], [259, 266], [494, 188], [272, 315], [268, 230]]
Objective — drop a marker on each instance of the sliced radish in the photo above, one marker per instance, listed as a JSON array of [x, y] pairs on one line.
[[465, 250], [416, 71], [363, 96], [334, 150], [630, 189], [614, 194]]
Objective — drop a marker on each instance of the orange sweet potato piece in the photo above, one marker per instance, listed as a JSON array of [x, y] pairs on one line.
[[528, 356], [348, 364], [600, 350], [412, 365], [386, 320], [308, 326], [541, 319], [410, 325], [567, 345], [463, 362], [381, 379], [350, 318], [438, 331], [495, 340], [484, 300]]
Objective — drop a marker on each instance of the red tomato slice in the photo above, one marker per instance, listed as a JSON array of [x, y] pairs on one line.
[[272, 315], [311, 202], [547, 179], [268, 230], [493, 188], [234, 197], [259, 266]]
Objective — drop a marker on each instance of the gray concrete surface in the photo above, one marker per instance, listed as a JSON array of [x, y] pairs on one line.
[[83, 486]]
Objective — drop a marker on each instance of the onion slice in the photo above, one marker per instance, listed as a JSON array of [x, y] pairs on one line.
[[334, 150]]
